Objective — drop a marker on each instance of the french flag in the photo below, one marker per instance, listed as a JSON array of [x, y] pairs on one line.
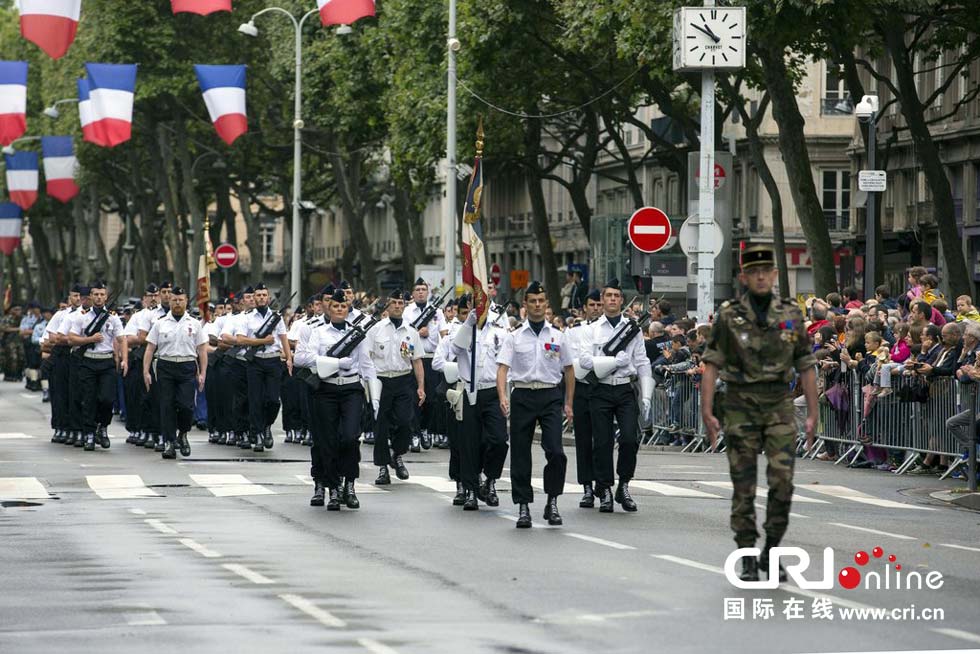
[[224, 95], [59, 167], [50, 24], [13, 100], [22, 178], [344, 12], [200, 7], [10, 226], [111, 90], [85, 111]]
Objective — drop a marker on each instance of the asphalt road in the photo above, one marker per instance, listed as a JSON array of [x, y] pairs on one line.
[[119, 551]]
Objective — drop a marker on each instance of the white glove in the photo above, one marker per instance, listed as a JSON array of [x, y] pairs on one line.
[[585, 361], [622, 359], [346, 363], [647, 406]]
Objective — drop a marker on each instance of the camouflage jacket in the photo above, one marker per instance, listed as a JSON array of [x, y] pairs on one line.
[[746, 353]]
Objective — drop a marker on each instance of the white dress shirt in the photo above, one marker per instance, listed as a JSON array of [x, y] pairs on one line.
[[535, 357], [394, 349], [110, 330], [321, 339], [250, 322], [60, 317], [177, 338], [601, 331], [490, 340], [436, 326]]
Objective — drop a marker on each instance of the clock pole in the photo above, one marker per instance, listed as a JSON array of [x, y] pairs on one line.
[[706, 194]]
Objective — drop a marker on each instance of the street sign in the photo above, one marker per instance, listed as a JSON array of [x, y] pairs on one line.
[[689, 237], [495, 274], [519, 279], [226, 255], [649, 230], [872, 180], [721, 176]]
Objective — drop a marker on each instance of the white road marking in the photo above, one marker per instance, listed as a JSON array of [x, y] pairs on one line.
[[960, 547], [14, 436], [764, 493], [602, 617], [137, 511], [845, 493], [762, 507], [871, 531], [600, 541], [144, 619], [230, 485], [119, 487], [200, 549], [689, 563], [375, 647], [438, 484], [22, 488], [513, 518], [247, 573], [324, 617], [670, 491], [649, 229], [571, 489], [366, 487], [958, 633], [162, 527]]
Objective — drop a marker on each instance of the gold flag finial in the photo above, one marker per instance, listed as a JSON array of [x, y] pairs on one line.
[[479, 138]]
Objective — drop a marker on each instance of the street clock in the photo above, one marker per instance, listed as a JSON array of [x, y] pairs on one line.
[[709, 37]]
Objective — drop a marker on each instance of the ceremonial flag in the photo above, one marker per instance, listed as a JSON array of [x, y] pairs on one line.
[[22, 178], [10, 226], [50, 24], [475, 276], [111, 90], [200, 7], [344, 12], [13, 100], [224, 94], [60, 165], [204, 288]]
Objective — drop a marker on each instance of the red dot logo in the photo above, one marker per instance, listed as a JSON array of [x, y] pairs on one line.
[[891, 558], [877, 552], [861, 558], [849, 578], [898, 567]]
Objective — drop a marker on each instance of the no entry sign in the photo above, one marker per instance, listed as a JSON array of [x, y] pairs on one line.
[[495, 274], [649, 230], [225, 255]]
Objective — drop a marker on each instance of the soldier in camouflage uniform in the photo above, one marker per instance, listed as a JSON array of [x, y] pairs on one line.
[[11, 344], [754, 347]]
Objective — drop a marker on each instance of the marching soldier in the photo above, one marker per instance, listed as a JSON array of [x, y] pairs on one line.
[[613, 397], [444, 362], [337, 404], [97, 367], [353, 313], [75, 434], [237, 370], [32, 354], [212, 390], [483, 433], [534, 359], [430, 334], [11, 345], [294, 393], [396, 350], [179, 344], [60, 351], [754, 347], [133, 385], [580, 343]]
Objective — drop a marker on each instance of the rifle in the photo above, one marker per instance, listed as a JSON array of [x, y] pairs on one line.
[[343, 348], [96, 325], [618, 343], [266, 329], [430, 311]]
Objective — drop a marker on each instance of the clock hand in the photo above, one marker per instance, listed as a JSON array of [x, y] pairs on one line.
[[707, 31]]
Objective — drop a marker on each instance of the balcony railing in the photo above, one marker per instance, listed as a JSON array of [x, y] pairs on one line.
[[836, 107], [837, 222]]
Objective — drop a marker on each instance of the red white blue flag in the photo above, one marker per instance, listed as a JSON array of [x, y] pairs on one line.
[[344, 12], [50, 24], [475, 276], [85, 111], [60, 165], [111, 91], [22, 178], [10, 227], [13, 100], [224, 94], [200, 7]]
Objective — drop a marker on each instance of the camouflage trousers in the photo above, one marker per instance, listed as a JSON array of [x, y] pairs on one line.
[[12, 357], [754, 422]]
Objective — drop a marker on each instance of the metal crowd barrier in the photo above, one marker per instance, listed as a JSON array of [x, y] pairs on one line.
[[677, 411]]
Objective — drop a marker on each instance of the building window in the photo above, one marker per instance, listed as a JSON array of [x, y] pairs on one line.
[[837, 199], [268, 243], [836, 99]]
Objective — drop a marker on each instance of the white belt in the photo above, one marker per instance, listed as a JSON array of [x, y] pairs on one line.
[[97, 355], [178, 359], [428, 355], [267, 355], [534, 386], [343, 381], [616, 381], [393, 375], [482, 386]]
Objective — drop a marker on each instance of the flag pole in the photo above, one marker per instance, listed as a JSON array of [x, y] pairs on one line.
[[476, 305]]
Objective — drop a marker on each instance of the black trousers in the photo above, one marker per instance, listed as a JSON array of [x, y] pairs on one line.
[[453, 427], [606, 403], [482, 439], [527, 408], [58, 388], [426, 414], [134, 389], [32, 355], [211, 396], [393, 431], [264, 379], [74, 393], [150, 413], [97, 387], [336, 433], [583, 433], [176, 382], [225, 391], [292, 415], [238, 386]]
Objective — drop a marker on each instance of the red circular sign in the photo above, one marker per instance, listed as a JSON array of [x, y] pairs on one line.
[[226, 255], [495, 274], [649, 230], [720, 176]]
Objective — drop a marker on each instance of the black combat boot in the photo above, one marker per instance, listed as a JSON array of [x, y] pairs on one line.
[[492, 499], [318, 494], [334, 503], [764, 561], [89, 442], [588, 497], [267, 440], [183, 444], [383, 477], [750, 569], [160, 446], [623, 497], [400, 470], [169, 451], [551, 511], [523, 517], [470, 503], [350, 497], [606, 500], [460, 494], [102, 438]]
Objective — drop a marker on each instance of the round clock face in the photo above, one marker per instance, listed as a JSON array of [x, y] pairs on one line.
[[713, 38]]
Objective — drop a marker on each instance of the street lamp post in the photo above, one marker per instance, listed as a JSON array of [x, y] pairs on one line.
[[10, 149], [449, 216], [52, 111], [867, 111]]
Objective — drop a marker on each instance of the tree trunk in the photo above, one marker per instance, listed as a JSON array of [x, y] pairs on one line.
[[403, 217], [83, 265], [956, 273], [167, 188], [348, 177], [634, 185], [253, 237], [45, 262], [20, 258], [192, 201], [226, 217], [539, 211], [796, 156], [101, 265]]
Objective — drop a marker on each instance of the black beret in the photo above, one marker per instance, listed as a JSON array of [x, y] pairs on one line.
[[48, 309], [33, 305], [594, 295], [137, 305], [328, 290], [178, 290], [166, 285], [338, 296], [397, 294], [463, 302], [97, 285], [407, 296], [345, 285], [421, 282], [224, 300], [758, 255], [248, 290], [151, 288], [84, 291], [260, 287], [613, 283], [534, 287], [310, 300], [76, 288]]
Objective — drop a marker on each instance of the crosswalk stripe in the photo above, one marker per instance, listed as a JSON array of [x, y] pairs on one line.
[[230, 485], [22, 488], [119, 487], [763, 493], [13, 436], [571, 489], [845, 493], [364, 486], [670, 491], [438, 484]]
